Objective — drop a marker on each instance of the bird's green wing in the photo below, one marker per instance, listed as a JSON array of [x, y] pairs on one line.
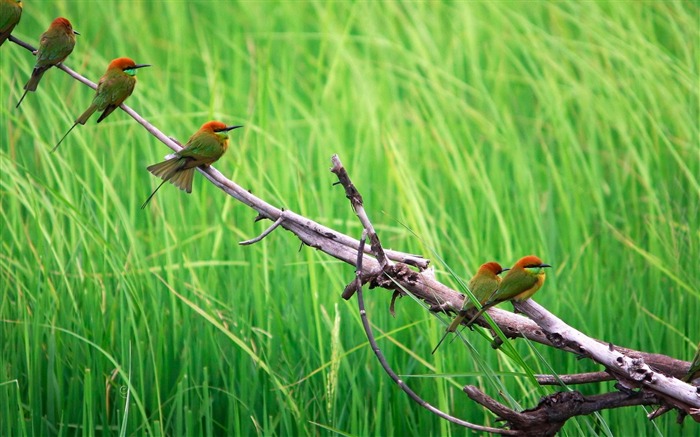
[[9, 17], [515, 282], [113, 90], [53, 48], [204, 147]]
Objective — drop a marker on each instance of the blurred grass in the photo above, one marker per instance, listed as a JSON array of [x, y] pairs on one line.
[[492, 130]]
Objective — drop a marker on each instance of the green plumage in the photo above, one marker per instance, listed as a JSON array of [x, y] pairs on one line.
[[114, 87], [10, 13], [54, 47], [521, 282], [515, 282], [482, 285], [204, 148]]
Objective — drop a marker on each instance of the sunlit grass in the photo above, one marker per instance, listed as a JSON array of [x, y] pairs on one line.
[[491, 130]]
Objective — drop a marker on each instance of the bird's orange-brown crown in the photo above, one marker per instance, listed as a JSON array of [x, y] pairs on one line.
[[121, 64], [492, 267], [62, 22], [213, 126], [529, 261]]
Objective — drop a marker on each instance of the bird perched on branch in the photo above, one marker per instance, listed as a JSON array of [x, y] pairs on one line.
[[10, 13], [202, 149], [114, 87], [482, 285], [520, 283], [54, 47]]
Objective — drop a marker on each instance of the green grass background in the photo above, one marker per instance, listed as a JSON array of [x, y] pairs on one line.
[[491, 130]]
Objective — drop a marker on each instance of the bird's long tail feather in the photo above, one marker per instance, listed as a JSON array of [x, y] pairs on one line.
[[171, 171], [183, 179], [452, 328], [153, 194], [21, 98], [86, 115], [33, 82], [63, 137], [444, 336], [481, 311], [166, 169]]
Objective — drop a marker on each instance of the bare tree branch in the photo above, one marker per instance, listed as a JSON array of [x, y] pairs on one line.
[[579, 378], [392, 270], [630, 369], [554, 410]]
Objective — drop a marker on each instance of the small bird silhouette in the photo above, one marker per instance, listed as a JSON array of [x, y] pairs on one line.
[[520, 283], [114, 87], [54, 47], [10, 13], [482, 285], [203, 148]]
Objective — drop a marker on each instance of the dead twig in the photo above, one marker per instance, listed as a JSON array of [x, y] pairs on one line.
[[267, 231]]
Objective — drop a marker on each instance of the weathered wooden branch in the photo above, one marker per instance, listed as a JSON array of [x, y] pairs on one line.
[[396, 271], [578, 378], [554, 410]]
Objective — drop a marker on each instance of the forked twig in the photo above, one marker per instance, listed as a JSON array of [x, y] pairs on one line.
[[265, 233], [357, 205], [387, 368]]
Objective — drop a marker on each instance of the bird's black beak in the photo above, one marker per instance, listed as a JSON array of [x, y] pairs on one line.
[[139, 66], [228, 128], [76, 32], [544, 265], [505, 270]]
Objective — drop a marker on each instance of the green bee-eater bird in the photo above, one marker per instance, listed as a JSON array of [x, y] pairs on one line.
[[520, 283], [54, 47], [202, 149], [114, 87], [10, 13], [482, 285]]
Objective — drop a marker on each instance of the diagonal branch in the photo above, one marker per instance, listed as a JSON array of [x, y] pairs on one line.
[[311, 233], [632, 368], [344, 248]]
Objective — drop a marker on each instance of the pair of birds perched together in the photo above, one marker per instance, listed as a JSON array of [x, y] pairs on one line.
[[520, 283], [205, 147]]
